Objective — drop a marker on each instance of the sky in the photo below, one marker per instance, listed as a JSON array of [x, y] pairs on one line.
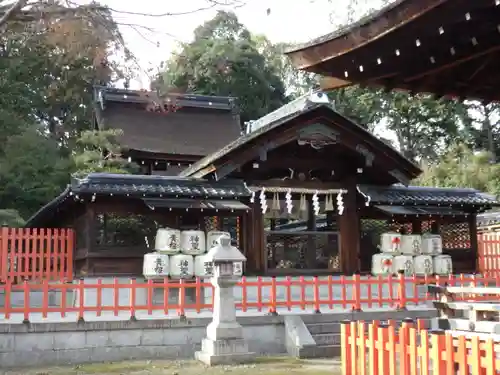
[[153, 39]]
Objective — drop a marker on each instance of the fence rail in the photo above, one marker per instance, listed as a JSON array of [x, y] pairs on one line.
[[376, 348], [36, 254], [269, 295]]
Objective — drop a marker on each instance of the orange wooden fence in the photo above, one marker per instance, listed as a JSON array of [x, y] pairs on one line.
[[374, 348], [36, 254], [489, 252], [269, 295]]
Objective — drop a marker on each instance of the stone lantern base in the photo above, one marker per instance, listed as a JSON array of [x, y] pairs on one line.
[[224, 352]]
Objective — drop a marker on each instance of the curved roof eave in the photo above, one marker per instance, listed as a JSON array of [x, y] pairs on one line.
[[357, 34], [289, 112], [48, 209]]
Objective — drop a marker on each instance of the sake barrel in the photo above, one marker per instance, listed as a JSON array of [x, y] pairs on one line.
[[213, 236], [168, 240], [203, 266], [432, 244], [155, 266], [382, 264], [193, 242], [404, 263], [181, 266], [390, 242], [443, 265], [424, 265], [411, 244]]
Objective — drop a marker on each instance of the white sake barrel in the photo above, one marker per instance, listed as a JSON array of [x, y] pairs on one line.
[[168, 240], [181, 266], [155, 266], [432, 244], [382, 264], [443, 265], [213, 236], [193, 242], [424, 265], [203, 266], [390, 242], [411, 244], [404, 263]]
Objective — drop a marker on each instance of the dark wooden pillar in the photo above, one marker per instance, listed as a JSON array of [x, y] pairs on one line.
[[416, 226], [256, 252], [311, 240], [349, 227], [477, 253]]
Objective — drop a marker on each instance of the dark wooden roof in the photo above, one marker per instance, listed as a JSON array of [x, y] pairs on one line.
[[141, 187], [202, 125], [444, 47], [283, 125], [418, 195]]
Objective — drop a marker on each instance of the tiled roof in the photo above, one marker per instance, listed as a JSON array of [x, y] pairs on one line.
[[282, 116], [117, 184], [139, 187], [417, 195], [488, 219]]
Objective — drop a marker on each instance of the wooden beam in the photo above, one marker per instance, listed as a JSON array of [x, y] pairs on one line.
[[390, 21], [296, 183], [231, 162]]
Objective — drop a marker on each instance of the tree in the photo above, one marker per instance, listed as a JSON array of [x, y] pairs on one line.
[[296, 82], [223, 59], [32, 172], [99, 151], [462, 167], [51, 56], [423, 125]]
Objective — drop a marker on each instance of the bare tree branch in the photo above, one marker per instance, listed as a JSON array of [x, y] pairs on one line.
[[16, 7]]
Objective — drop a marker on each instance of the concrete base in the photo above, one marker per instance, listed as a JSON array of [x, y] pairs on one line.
[[224, 352]]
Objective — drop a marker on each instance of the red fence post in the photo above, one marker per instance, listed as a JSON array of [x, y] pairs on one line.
[[401, 291], [345, 348], [4, 253], [69, 249], [356, 293]]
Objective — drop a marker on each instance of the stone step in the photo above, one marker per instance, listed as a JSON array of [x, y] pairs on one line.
[[327, 339], [321, 351], [316, 328]]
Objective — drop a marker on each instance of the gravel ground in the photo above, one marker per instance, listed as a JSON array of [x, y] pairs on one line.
[[267, 365]]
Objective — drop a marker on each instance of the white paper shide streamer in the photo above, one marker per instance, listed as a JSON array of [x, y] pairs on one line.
[[289, 202], [263, 202], [340, 203], [315, 203]]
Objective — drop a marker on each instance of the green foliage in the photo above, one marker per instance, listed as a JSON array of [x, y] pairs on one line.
[[224, 60], [461, 167], [32, 172], [99, 151], [296, 82], [11, 218]]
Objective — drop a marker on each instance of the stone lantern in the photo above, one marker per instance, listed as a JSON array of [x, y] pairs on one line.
[[224, 342]]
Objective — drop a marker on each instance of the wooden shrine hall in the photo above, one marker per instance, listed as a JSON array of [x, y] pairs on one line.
[[303, 191], [324, 189], [450, 48]]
